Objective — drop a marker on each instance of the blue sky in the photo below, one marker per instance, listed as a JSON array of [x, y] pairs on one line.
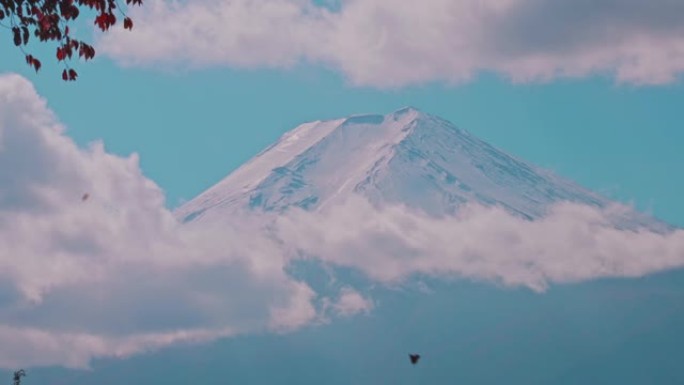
[[192, 128], [590, 90]]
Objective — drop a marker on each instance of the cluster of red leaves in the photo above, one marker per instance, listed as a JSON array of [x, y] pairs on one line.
[[49, 18], [69, 75]]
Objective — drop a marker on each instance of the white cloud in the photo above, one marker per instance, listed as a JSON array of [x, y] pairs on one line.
[[572, 243], [351, 302], [34, 346], [116, 274], [389, 43], [348, 302], [239, 33]]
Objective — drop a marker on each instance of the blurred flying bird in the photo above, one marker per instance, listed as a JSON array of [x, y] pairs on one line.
[[414, 358]]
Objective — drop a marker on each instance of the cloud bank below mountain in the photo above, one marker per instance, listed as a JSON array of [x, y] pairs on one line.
[[572, 243]]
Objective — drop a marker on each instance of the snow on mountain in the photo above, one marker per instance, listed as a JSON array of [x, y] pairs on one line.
[[406, 157]]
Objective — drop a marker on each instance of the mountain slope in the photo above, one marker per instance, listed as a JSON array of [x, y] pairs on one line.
[[406, 157]]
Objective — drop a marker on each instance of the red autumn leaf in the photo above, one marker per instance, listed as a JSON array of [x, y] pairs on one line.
[[100, 21], [74, 12], [45, 24], [128, 23], [17, 36], [60, 54], [65, 77], [25, 36]]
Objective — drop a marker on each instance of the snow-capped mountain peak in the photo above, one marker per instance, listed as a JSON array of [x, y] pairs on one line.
[[406, 157]]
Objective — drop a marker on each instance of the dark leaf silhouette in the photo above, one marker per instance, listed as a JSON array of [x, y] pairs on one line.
[[36, 64], [17, 36], [33, 62], [25, 35]]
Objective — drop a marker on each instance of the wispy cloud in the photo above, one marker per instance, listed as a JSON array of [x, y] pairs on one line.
[[387, 43], [351, 302]]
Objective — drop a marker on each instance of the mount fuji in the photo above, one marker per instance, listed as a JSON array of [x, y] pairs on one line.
[[593, 332], [406, 157]]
